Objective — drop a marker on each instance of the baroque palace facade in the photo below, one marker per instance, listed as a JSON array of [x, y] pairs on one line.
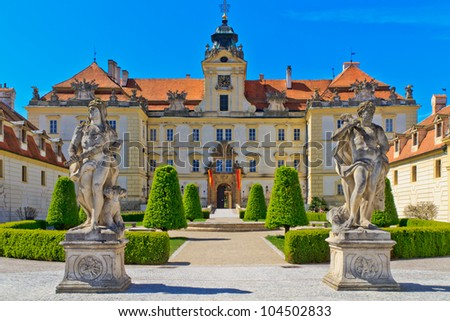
[[223, 132]]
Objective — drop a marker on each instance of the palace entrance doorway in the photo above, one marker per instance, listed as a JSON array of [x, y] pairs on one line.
[[224, 196]]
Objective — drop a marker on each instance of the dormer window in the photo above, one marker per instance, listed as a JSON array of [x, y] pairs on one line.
[[59, 150], [397, 146], [1, 127], [415, 139], [23, 135], [42, 143], [438, 128]]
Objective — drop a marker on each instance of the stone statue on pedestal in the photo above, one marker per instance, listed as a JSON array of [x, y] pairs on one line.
[[359, 251], [95, 250]]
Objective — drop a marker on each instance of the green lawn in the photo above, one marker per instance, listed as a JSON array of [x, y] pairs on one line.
[[277, 241], [175, 243]]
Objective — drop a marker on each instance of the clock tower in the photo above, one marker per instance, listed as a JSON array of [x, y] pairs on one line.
[[225, 69]]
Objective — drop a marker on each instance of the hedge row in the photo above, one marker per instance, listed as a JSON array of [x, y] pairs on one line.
[[309, 246], [133, 216], [319, 217], [142, 248], [306, 246], [415, 222], [26, 225]]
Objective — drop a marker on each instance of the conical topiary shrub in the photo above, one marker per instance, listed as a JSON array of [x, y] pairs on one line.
[[63, 209], [191, 203], [256, 205], [389, 216], [286, 207], [165, 206]]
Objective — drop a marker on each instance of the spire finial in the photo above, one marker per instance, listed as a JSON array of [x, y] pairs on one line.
[[95, 55], [224, 8]]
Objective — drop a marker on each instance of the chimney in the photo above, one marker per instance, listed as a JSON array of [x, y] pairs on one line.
[[438, 102], [188, 76], [118, 69], [289, 77], [261, 77], [112, 66], [8, 96], [124, 77], [351, 63]]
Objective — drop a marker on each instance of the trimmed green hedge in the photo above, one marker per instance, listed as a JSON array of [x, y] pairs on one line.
[[414, 242], [133, 216], [307, 246], [415, 222], [142, 248], [206, 214], [32, 244], [26, 225], [318, 217], [147, 248]]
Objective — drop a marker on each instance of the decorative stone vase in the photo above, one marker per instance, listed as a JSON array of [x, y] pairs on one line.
[[360, 260]]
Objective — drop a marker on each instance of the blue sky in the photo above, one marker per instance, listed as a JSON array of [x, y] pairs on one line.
[[398, 42]]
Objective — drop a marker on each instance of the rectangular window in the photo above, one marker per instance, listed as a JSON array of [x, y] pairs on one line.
[[223, 102], [438, 129], [229, 166], [169, 135], [42, 143], [196, 135], [414, 174], [389, 125], [24, 136], [340, 189], [437, 168], [112, 124], [43, 180], [253, 166], [297, 134], [53, 126], [152, 134], [196, 166], [395, 177], [296, 163], [1, 127], [281, 134], [152, 163], [170, 162], [280, 162], [59, 151], [252, 134], [397, 146], [228, 134], [219, 166], [339, 123], [219, 134], [415, 139], [24, 174]]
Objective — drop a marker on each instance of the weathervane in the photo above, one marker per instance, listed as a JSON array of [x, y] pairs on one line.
[[224, 8], [351, 55]]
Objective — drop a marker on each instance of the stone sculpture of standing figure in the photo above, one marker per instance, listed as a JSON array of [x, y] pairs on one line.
[[94, 167], [362, 164]]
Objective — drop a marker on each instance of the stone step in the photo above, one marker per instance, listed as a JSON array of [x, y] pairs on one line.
[[226, 226]]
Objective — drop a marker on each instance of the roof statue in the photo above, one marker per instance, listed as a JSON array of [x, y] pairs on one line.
[[409, 92], [84, 90], [364, 90]]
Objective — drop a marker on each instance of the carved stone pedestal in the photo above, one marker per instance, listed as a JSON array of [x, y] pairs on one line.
[[93, 266], [360, 260]]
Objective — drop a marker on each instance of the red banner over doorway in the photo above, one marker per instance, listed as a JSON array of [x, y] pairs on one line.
[[238, 179], [210, 178]]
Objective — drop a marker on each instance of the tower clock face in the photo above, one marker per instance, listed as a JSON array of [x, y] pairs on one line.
[[224, 81], [223, 59]]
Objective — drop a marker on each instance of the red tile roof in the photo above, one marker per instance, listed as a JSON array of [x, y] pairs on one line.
[[155, 90], [11, 142], [428, 143]]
